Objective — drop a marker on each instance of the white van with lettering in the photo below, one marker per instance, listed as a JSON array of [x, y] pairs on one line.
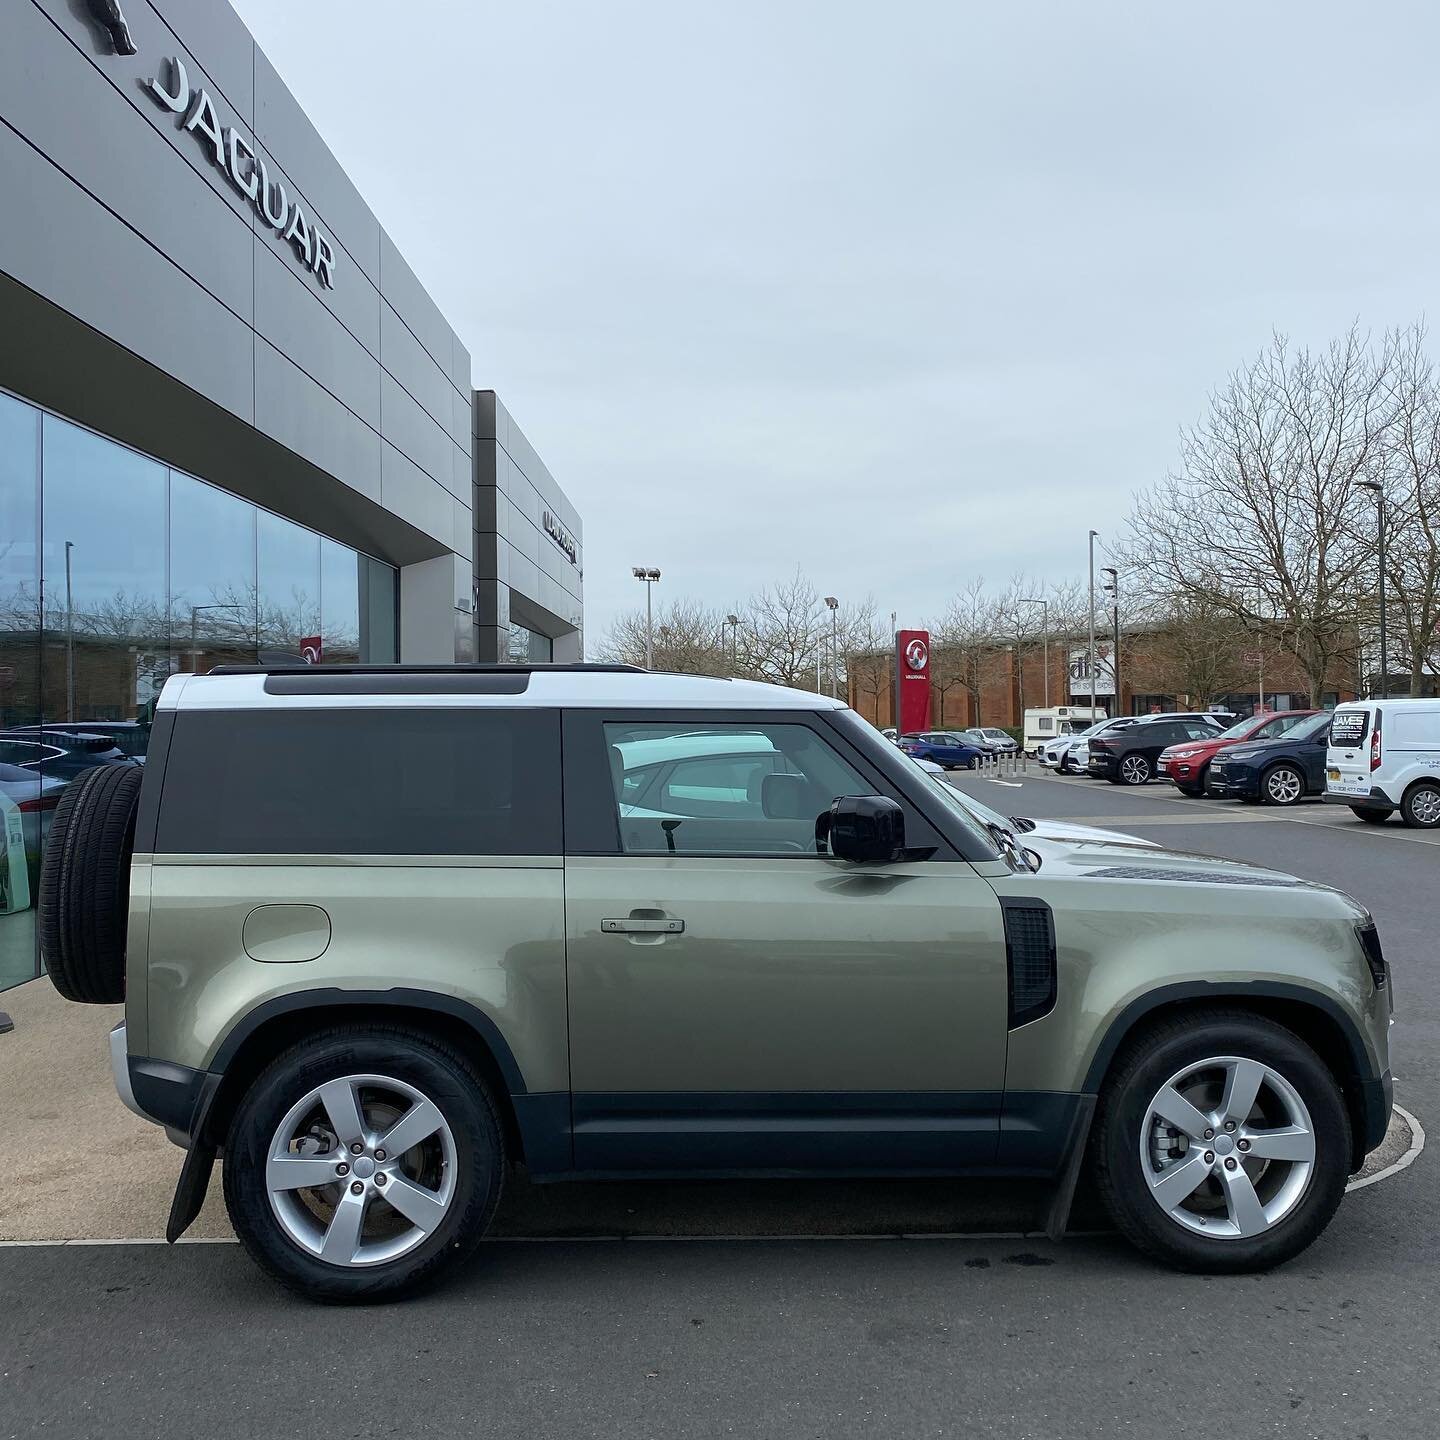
[[1384, 756]]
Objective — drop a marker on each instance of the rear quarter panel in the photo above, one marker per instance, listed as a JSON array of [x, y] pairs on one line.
[[488, 931]]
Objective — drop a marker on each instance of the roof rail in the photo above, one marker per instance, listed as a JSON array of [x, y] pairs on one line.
[[298, 668]]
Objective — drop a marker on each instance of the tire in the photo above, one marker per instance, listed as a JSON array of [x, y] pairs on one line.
[[1136, 770], [1420, 805], [85, 884], [401, 1068], [1194, 1237], [1371, 817], [1282, 784]]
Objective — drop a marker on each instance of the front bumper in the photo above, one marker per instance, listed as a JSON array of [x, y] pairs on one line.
[[1237, 783], [1102, 766]]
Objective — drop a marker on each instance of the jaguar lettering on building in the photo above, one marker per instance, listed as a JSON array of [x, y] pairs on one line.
[[235, 155], [562, 537]]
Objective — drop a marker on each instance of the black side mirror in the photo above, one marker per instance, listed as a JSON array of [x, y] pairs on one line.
[[864, 829]]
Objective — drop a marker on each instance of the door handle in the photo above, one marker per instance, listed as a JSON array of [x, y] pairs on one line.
[[631, 926]]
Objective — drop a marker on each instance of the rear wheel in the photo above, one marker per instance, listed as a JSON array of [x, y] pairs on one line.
[[1282, 785], [1371, 817], [1420, 807], [362, 1162], [1223, 1143], [1135, 770]]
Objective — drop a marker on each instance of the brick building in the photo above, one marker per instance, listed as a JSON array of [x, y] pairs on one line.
[[996, 684]]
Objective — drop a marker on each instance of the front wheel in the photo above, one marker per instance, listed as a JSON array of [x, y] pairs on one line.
[[1223, 1143], [1282, 785], [362, 1161]]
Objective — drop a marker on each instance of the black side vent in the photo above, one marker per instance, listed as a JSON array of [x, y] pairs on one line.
[[1030, 956], [1369, 938]]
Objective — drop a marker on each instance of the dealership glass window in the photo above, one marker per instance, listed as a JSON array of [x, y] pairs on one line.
[[165, 573], [212, 576], [104, 628], [529, 647], [288, 590]]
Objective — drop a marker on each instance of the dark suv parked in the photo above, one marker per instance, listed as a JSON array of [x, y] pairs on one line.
[[1281, 771], [1131, 756]]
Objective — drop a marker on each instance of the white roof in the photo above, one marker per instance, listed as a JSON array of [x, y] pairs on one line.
[[637, 689]]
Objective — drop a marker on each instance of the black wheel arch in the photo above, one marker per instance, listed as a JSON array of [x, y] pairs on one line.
[[1312, 1015], [532, 1123]]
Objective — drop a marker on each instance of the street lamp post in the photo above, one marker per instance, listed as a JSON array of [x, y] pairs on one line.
[[1379, 490], [834, 606], [69, 638], [1112, 586], [1094, 535], [734, 622], [1045, 624], [649, 575]]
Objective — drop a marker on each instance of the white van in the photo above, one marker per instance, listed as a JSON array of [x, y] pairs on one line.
[[1051, 722], [1384, 756]]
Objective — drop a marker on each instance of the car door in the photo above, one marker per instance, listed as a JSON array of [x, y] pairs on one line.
[[740, 1001], [1312, 751]]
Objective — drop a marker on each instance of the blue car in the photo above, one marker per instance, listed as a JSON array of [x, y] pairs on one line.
[[944, 747]]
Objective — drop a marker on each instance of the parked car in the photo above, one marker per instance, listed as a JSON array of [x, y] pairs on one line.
[[59, 753], [1079, 756], [944, 749], [1188, 764], [989, 737], [373, 999], [1132, 755], [1057, 830], [1384, 756], [1279, 771]]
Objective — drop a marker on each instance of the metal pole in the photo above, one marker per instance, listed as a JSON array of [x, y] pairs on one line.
[[835, 654], [69, 638], [649, 629], [1093, 535], [1384, 638], [1045, 621]]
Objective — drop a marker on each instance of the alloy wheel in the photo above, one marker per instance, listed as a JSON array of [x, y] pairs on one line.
[[361, 1170], [1425, 806], [1284, 786], [1227, 1148], [1135, 769]]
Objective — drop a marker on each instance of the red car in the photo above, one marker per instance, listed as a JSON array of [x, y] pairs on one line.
[[1186, 764]]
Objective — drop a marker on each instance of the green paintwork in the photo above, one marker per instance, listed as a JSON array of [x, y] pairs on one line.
[[791, 974]]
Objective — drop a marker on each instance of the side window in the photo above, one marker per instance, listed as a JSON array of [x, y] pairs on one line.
[[725, 789], [334, 780], [1197, 730]]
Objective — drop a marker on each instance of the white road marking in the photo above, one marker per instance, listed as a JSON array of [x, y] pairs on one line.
[[1417, 1144]]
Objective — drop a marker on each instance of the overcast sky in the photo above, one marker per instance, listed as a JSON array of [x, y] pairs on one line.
[[899, 294]]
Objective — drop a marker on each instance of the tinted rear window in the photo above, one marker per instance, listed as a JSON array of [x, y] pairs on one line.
[[1348, 727], [362, 782]]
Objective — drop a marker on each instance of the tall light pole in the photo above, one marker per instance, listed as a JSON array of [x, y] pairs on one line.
[[1045, 623], [1379, 490], [69, 638], [734, 623], [834, 606], [649, 575], [1094, 535], [1112, 587]]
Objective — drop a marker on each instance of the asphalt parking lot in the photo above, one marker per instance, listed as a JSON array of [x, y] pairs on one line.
[[805, 1310]]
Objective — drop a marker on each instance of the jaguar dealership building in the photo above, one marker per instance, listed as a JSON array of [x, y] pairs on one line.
[[234, 427]]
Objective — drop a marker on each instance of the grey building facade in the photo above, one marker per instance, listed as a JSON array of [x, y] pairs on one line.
[[233, 424]]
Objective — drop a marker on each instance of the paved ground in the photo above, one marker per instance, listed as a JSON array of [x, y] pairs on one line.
[[797, 1336]]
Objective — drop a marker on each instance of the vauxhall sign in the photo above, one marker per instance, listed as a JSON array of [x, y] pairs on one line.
[[235, 155]]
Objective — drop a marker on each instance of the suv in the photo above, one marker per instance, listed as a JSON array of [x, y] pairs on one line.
[[1132, 755], [535, 936]]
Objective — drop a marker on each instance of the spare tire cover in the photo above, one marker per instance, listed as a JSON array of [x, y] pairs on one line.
[[85, 884]]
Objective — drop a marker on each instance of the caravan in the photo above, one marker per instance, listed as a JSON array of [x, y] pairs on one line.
[[1051, 722]]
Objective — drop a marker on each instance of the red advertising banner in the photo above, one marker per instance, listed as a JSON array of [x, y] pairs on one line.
[[912, 680]]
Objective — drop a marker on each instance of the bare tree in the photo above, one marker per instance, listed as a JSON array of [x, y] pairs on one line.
[[1258, 521], [687, 639], [1411, 479], [1199, 651], [965, 636]]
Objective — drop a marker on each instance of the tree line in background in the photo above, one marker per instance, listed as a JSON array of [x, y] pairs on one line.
[[1261, 547]]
